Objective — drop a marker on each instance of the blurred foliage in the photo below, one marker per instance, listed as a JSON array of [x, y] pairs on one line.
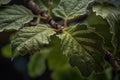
[[36, 65], [6, 51]]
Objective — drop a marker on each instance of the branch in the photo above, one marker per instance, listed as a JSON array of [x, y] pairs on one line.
[[36, 10], [34, 7], [110, 58], [79, 18]]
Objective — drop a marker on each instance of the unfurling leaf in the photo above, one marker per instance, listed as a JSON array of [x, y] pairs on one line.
[[68, 9], [30, 39], [4, 1], [13, 17], [83, 47], [112, 15]]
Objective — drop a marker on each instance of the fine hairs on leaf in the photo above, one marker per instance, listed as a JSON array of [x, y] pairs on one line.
[[67, 34], [30, 39], [14, 17]]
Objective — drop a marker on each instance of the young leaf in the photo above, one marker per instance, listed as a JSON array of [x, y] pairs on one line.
[[47, 4], [68, 9], [112, 15], [4, 1], [13, 17], [30, 39], [83, 47]]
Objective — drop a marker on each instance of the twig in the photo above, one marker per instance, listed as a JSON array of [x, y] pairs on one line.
[[34, 7], [110, 58]]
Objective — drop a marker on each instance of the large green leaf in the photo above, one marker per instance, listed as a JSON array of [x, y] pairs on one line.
[[13, 17], [4, 1], [68, 9], [112, 15], [47, 4], [83, 47], [30, 39], [58, 63]]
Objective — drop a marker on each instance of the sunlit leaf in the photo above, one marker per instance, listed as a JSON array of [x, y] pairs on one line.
[[30, 39], [83, 47], [13, 17], [68, 9]]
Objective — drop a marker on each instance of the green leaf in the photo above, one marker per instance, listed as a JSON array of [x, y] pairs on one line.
[[107, 12], [14, 17], [83, 47], [4, 1], [68, 9], [116, 38], [36, 66], [101, 76], [56, 59], [30, 39], [101, 26], [111, 14], [47, 4], [66, 73]]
